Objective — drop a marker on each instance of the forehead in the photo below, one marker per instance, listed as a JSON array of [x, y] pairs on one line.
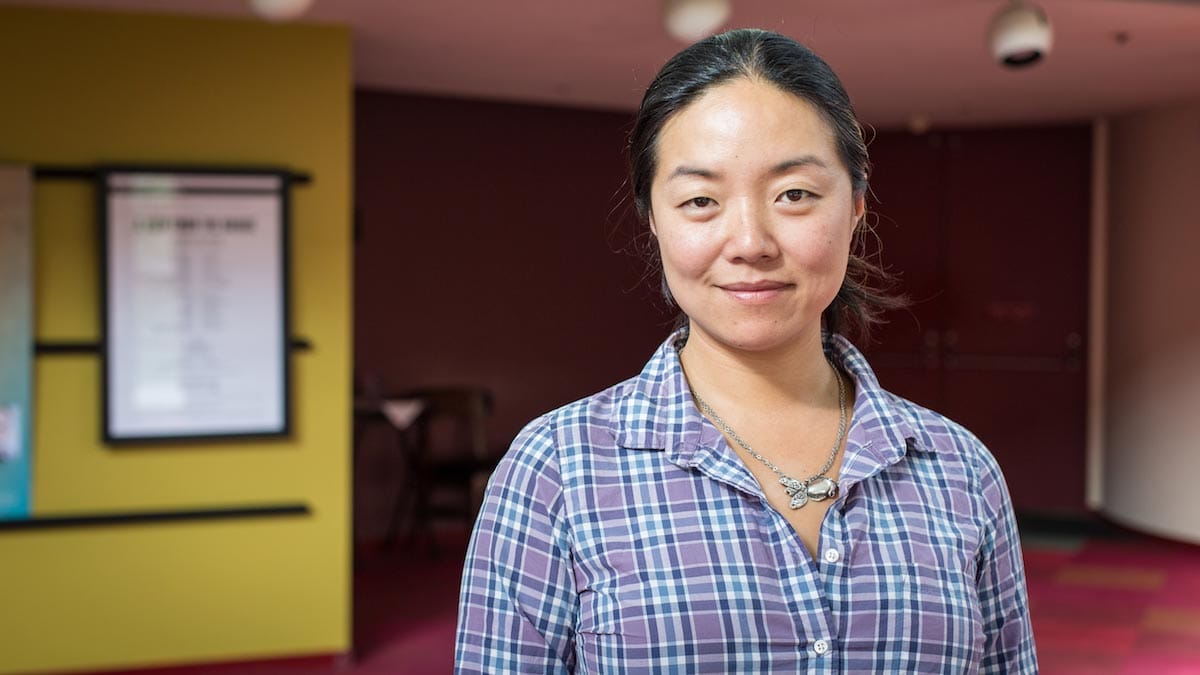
[[745, 123]]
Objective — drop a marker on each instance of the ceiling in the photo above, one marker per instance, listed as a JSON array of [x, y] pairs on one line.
[[898, 59]]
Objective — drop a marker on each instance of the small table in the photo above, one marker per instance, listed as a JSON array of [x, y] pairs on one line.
[[398, 414]]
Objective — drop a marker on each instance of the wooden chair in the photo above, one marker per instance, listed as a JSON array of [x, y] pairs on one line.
[[451, 457]]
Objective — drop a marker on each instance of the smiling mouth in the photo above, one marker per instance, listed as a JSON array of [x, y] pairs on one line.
[[754, 286], [755, 292]]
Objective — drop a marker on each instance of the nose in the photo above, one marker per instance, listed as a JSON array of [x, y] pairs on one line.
[[751, 237]]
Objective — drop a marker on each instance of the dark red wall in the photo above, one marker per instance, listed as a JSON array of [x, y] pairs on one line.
[[485, 255], [485, 252], [989, 230]]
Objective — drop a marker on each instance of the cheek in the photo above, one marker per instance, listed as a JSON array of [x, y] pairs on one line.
[[827, 248], [687, 254]]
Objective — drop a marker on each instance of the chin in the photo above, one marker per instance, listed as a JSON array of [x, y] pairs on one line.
[[757, 338]]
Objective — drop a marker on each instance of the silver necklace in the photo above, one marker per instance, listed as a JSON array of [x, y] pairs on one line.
[[817, 487]]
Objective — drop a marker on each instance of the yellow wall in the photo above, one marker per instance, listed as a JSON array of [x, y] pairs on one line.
[[85, 87]]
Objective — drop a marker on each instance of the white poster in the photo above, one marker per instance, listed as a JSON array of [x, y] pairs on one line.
[[196, 341]]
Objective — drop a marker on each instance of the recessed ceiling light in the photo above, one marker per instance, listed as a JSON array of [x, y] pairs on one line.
[[692, 20]]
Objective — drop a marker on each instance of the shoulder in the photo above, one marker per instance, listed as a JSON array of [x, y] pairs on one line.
[[908, 426], [592, 420], [933, 431], [938, 438], [637, 412]]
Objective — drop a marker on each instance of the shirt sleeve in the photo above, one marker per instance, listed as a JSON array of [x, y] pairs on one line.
[[518, 606], [1008, 633]]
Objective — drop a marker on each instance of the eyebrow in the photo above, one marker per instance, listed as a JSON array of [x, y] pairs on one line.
[[799, 162], [782, 167], [692, 171]]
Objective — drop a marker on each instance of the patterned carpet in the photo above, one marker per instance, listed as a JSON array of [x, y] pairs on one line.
[[1102, 605], [1127, 606]]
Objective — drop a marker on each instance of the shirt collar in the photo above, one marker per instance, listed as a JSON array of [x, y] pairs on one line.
[[882, 426], [655, 410]]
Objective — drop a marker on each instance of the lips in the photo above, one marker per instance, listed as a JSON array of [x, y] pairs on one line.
[[753, 286], [755, 292]]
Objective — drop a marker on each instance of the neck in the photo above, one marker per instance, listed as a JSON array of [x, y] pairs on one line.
[[775, 379]]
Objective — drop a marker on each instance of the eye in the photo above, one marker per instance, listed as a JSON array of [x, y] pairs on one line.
[[795, 196], [699, 202]]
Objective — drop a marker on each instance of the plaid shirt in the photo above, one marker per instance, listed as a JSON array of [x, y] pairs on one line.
[[622, 534]]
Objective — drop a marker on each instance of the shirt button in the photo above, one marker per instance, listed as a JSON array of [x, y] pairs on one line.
[[832, 556], [820, 646]]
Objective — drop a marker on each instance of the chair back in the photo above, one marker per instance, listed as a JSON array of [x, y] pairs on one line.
[[453, 423]]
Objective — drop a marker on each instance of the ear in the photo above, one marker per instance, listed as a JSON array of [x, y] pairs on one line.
[[860, 209], [653, 228]]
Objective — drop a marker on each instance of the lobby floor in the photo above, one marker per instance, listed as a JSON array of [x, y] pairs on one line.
[[1128, 605], [1108, 604]]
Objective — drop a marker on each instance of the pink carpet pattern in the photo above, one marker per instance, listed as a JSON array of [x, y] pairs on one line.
[[1107, 606], [1128, 606]]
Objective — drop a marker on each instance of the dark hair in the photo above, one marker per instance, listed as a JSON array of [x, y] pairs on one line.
[[789, 65]]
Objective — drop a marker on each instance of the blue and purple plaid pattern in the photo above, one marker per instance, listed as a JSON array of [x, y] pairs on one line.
[[622, 534]]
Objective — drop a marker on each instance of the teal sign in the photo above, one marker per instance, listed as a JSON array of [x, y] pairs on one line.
[[16, 340]]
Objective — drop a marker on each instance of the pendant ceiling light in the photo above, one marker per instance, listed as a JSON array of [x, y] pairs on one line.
[[280, 10], [691, 20]]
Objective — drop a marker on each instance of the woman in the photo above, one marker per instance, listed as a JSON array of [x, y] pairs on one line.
[[753, 501]]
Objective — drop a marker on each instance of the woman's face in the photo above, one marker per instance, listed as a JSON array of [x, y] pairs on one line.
[[753, 211]]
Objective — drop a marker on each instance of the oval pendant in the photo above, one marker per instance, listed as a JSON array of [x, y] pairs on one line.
[[822, 489]]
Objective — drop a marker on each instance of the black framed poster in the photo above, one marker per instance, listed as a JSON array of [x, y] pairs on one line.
[[195, 303]]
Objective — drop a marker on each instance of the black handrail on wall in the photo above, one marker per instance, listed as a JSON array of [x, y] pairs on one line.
[[164, 516]]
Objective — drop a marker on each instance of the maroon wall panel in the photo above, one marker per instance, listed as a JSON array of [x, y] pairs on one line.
[[907, 184], [989, 231], [906, 210], [485, 256], [1017, 226], [1017, 221]]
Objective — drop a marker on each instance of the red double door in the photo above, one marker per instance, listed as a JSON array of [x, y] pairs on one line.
[[989, 232]]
